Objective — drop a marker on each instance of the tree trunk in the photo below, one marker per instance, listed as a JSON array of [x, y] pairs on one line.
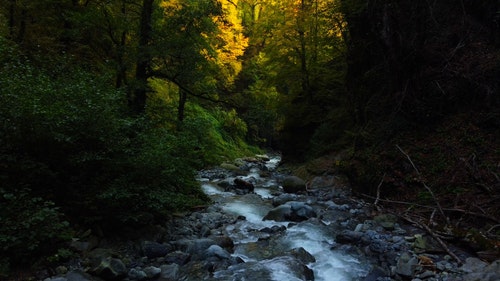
[[303, 51], [121, 75], [22, 26], [12, 10], [182, 105], [137, 101]]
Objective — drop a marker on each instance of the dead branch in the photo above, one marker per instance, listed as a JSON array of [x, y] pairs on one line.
[[493, 227], [378, 192], [435, 236], [455, 210], [425, 185]]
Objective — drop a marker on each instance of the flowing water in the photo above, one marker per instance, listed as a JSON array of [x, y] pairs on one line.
[[315, 236]]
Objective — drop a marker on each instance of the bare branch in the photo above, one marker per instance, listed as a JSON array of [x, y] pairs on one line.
[[435, 236], [378, 191], [424, 184]]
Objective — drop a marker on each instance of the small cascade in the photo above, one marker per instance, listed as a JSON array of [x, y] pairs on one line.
[[269, 244]]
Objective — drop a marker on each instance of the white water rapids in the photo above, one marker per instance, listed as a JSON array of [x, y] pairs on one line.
[[315, 237]]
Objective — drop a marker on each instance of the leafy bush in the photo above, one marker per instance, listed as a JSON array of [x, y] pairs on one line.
[[156, 177], [31, 226], [218, 135], [66, 139]]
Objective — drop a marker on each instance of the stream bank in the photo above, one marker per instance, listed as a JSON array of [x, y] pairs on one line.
[[265, 224]]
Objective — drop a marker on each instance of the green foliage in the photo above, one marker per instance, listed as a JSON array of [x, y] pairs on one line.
[[218, 134], [156, 177], [262, 112], [31, 226], [67, 142], [332, 134], [209, 135]]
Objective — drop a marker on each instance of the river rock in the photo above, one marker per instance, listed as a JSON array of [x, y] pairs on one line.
[[263, 157], [473, 265], [279, 213], [243, 185], [301, 211], [110, 269], [152, 249], [302, 255], [349, 237], [387, 221], [217, 251], [136, 274], [279, 268], [78, 275], [195, 247], [293, 184], [479, 270], [291, 211], [407, 265], [223, 241], [169, 272], [283, 198], [152, 272], [230, 167], [177, 257]]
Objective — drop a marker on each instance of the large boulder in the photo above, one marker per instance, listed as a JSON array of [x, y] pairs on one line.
[[110, 269], [291, 211], [476, 269], [243, 185], [293, 184], [279, 213], [279, 268], [153, 249]]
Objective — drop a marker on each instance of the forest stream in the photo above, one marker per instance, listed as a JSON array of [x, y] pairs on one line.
[[265, 225], [279, 252]]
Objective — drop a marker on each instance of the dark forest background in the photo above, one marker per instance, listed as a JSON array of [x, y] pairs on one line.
[[107, 108]]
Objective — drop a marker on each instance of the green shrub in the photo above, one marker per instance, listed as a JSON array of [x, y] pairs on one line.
[[216, 135], [31, 226], [66, 137]]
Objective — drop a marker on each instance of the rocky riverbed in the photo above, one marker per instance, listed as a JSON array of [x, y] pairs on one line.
[[265, 224]]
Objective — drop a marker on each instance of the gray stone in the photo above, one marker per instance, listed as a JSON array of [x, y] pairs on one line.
[[194, 246], [279, 213], [110, 269], [243, 185], [348, 236], [426, 274], [301, 211], [302, 255], [230, 167], [283, 198], [479, 270], [217, 251], [169, 272], [78, 276], [80, 246], [136, 274], [263, 270], [152, 272], [407, 265], [291, 211], [293, 184], [177, 257], [263, 157], [473, 265], [61, 270], [55, 279], [387, 221], [155, 250]]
